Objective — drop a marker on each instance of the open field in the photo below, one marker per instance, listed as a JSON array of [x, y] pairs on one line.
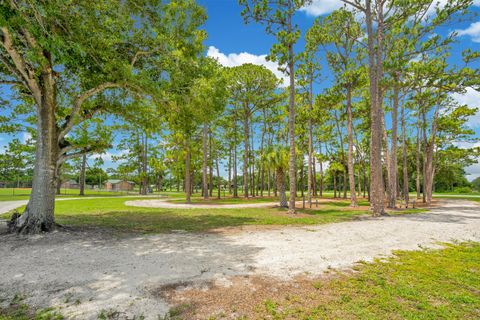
[[10, 194], [113, 213]]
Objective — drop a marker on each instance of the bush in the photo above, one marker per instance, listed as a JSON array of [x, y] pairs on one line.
[[463, 190]]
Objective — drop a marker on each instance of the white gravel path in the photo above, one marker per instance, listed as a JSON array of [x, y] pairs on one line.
[[123, 274]]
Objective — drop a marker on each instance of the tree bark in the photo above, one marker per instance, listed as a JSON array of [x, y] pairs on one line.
[[188, 189], [204, 163], [82, 175], [219, 180], [417, 178], [246, 133], [393, 151], [210, 141], [376, 73], [280, 175], [39, 213], [311, 162], [291, 121], [406, 190], [351, 172]]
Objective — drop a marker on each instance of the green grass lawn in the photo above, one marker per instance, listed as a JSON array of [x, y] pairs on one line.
[[113, 213], [428, 284], [11, 194]]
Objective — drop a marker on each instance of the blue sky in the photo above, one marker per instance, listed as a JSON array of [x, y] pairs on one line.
[[232, 42]]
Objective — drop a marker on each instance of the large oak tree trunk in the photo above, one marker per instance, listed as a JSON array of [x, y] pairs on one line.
[[39, 213]]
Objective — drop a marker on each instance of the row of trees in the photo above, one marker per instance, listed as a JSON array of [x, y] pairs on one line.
[[385, 126]]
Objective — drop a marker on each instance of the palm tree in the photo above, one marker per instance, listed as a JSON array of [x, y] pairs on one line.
[[277, 157]]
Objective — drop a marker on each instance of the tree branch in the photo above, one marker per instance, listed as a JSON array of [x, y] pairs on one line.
[[77, 105], [21, 66], [355, 5]]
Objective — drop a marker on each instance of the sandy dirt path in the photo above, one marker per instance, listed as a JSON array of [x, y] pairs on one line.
[[85, 272]]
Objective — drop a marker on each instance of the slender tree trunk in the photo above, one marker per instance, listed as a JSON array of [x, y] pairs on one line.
[[314, 177], [334, 185], [252, 175], [425, 148], [417, 178], [230, 170], [406, 190], [291, 122], [393, 168], [210, 140], [246, 131], [205, 161], [280, 175], [235, 186], [376, 74], [82, 174], [311, 163], [351, 172], [321, 174], [188, 189], [219, 180]]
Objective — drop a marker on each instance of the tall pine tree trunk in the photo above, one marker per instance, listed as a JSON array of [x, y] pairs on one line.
[[351, 172], [406, 195], [311, 163], [393, 152], [246, 131], [188, 188], [419, 148], [204, 163], [376, 74]]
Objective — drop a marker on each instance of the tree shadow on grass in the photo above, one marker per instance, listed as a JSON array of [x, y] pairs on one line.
[[161, 222]]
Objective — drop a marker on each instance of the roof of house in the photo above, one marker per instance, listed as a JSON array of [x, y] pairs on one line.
[[115, 181]]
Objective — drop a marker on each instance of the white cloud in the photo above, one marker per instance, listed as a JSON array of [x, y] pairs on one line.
[[472, 99], [26, 136], [473, 31], [237, 59], [321, 7]]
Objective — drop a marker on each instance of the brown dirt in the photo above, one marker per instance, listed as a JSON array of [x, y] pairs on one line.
[[246, 297]]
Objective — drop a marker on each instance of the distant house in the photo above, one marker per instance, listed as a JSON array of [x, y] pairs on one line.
[[119, 185], [70, 184]]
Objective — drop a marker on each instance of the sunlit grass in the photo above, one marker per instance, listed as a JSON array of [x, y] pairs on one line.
[[112, 213]]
